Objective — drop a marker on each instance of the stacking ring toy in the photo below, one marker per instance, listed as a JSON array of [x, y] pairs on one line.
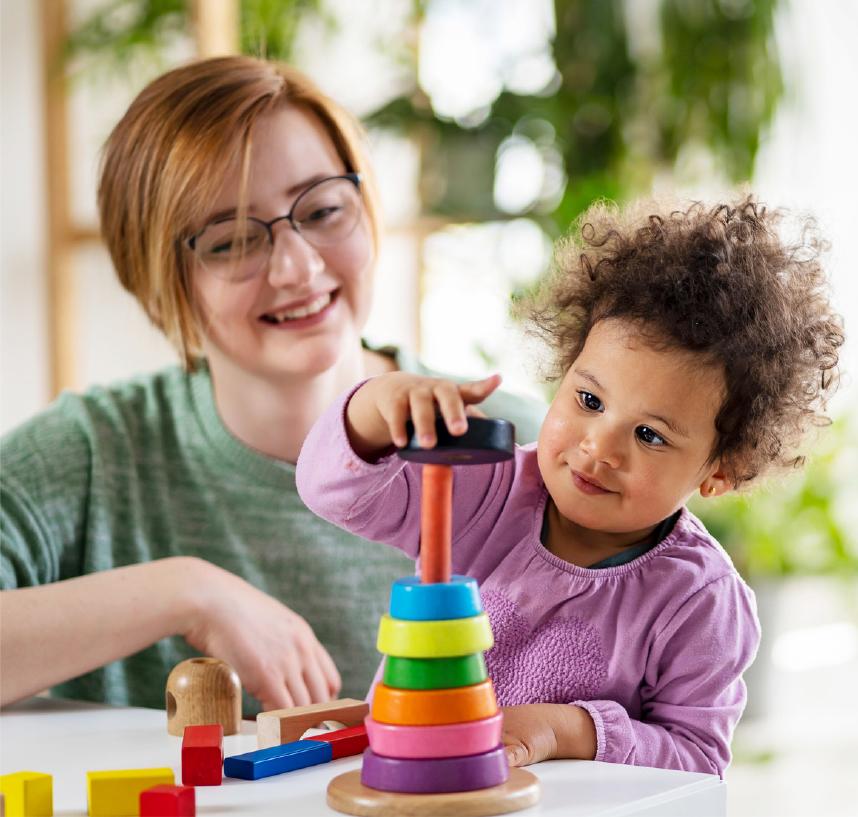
[[412, 600], [434, 639], [428, 707], [443, 740], [447, 774], [434, 673]]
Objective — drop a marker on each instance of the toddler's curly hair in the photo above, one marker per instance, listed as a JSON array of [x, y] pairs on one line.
[[719, 280]]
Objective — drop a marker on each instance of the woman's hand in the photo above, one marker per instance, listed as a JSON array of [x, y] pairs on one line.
[[274, 651], [536, 732], [378, 411]]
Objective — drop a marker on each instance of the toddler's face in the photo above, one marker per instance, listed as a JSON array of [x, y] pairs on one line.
[[628, 435]]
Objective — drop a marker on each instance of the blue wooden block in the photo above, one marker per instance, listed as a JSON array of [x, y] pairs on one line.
[[412, 600], [277, 759]]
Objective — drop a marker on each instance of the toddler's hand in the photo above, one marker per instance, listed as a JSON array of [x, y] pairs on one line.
[[536, 732], [274, 651], [377, 412]]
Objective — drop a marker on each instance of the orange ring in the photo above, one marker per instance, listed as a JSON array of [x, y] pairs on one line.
[[416, 707]]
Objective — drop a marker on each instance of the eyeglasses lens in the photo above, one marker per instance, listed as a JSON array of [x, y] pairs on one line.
[[324, 214]]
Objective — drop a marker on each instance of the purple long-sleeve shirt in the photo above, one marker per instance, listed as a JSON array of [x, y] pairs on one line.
[[654, 649]]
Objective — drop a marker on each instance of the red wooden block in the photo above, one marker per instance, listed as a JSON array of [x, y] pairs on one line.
[[168, 801], [345, 742], [202, 755]]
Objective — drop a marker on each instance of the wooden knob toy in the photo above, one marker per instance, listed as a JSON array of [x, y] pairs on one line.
[[434, 729], [203, 691]]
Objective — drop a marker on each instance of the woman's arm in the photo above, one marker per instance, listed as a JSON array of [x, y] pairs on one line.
[[54, 632]]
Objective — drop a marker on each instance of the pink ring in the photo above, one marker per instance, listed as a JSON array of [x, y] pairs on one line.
[[444, 740]]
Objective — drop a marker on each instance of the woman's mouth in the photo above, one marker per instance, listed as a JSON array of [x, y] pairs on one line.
[[586, 486], [299, 313]]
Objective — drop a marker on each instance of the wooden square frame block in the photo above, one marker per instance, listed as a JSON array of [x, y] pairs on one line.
[[117, 793], [434, 639], [345, 742], [348, 795], [202, 755], [426, 707], [168, 801], [28, 793], [277, 759], [280, 726]]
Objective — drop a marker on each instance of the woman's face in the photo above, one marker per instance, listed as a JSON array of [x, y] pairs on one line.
[[307, 307]]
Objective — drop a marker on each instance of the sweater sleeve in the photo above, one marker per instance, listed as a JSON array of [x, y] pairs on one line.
[[372, 500], [43, 498], [692, 693]]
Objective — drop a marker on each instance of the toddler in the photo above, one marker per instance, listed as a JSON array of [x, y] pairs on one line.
[[694, 349]]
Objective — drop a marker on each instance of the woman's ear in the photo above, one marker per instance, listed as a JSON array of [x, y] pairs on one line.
[[717, 483]]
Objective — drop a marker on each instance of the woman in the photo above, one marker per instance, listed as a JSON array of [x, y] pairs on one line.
[[152, 519]]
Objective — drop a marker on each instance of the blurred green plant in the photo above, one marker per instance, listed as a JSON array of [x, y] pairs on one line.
[[800, 525], [120, 32], [617, 112]]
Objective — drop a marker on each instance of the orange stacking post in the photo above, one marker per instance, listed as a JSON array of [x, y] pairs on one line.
[[436, 524]]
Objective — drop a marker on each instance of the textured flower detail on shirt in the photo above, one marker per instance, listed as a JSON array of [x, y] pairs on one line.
[[560, 661]]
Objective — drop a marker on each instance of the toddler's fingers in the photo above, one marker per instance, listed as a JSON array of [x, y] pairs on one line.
[[422, 403], [452, 408], [396, 415], [478, 390]]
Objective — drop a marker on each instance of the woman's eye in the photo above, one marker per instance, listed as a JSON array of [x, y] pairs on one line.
[[647, 435], [589, 401], [321, 214]]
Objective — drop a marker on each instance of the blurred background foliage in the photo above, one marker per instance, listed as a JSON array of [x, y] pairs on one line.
[[614, 95], [612, 98]]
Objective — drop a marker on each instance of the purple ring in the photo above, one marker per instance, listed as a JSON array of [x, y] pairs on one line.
[[435, 775]]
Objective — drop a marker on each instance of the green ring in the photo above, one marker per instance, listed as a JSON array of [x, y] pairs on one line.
[[434, 673]]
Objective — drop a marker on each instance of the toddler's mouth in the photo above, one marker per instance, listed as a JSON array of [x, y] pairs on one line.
[[587, 485]]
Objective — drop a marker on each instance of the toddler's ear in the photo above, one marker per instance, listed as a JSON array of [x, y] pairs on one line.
[[717, 483]]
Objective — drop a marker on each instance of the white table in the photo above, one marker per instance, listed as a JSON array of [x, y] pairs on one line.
[[67, 739]]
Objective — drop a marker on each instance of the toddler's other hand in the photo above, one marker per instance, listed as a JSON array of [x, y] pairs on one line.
[[536, 732]]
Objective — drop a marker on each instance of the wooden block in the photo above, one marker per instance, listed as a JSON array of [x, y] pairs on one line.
[[286, 725], [347, 794], [202, 755], [168, 801], [434, 639], [29, 794], [345, 742], [117, 793], [442, 740], [277, 759], [415, 707], [203, 691]]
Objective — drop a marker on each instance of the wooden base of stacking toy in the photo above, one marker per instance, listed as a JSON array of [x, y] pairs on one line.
[[348, 795]]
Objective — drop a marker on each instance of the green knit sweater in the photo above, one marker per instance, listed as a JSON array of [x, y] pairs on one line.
[[145, 469]]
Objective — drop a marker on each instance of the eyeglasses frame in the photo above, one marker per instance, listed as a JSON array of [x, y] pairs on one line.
[[354, 178]]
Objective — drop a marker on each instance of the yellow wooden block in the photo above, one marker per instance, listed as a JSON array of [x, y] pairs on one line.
[[117, 793], [434, 639], [28, 794]]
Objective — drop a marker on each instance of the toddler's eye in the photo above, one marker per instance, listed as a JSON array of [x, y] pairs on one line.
[[649, 436], [590, 401]]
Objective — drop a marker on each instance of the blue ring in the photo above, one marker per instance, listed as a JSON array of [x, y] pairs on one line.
[[411, 600]]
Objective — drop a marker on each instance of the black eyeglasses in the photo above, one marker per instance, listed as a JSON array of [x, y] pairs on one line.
[[326, 213]]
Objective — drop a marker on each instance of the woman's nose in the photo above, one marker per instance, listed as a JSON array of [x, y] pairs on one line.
[[294, 261], [602, 444]]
